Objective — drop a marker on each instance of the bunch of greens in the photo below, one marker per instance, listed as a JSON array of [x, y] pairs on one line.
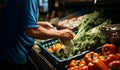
[[88, 36]]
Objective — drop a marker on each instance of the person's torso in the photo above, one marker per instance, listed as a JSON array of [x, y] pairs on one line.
[[15, 43]]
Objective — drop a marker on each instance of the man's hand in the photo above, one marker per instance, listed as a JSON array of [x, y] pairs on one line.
[[66, 34]]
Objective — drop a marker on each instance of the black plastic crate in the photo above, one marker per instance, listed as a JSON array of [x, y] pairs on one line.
[[58, 63]]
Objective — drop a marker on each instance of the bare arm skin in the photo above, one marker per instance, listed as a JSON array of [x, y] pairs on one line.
[[46, 32]]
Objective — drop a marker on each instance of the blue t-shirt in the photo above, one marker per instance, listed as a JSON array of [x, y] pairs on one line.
[[16, 16]]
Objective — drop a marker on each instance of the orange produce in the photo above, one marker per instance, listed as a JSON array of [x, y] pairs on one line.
[[108, 49]]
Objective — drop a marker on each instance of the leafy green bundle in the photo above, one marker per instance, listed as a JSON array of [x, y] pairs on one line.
[[88, 36]]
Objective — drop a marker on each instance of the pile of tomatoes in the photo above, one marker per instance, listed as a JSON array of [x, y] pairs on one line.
[[107, 59]]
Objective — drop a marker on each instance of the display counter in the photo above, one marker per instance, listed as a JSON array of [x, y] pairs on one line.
[[39, 60]]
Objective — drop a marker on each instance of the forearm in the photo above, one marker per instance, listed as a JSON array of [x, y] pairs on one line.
[[42, 33], [48, 33], [45, 24]]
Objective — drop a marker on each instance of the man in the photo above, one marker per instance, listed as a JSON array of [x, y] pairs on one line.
[[19, 27]]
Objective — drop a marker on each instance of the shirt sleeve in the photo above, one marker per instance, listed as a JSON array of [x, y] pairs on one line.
[[30, 14]]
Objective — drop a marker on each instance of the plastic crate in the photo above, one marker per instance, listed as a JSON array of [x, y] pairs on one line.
[[58, 63]]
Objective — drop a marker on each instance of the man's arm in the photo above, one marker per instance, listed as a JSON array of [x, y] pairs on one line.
[[44, 33]]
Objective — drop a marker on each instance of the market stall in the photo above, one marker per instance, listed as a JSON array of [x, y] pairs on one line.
[[92, 32]]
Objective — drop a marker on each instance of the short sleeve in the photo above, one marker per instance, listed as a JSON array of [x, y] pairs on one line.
[[30, 13]]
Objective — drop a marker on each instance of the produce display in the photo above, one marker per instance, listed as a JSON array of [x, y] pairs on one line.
[[88, 35], [70, 23], [54, 47], [88, 38], [111, 32], [107, 59]]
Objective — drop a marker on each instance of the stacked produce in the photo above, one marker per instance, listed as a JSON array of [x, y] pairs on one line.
[[107, 59], [70, 23], [88, 35]]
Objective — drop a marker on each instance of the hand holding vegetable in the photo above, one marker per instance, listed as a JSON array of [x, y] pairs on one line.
[[66, 34]]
